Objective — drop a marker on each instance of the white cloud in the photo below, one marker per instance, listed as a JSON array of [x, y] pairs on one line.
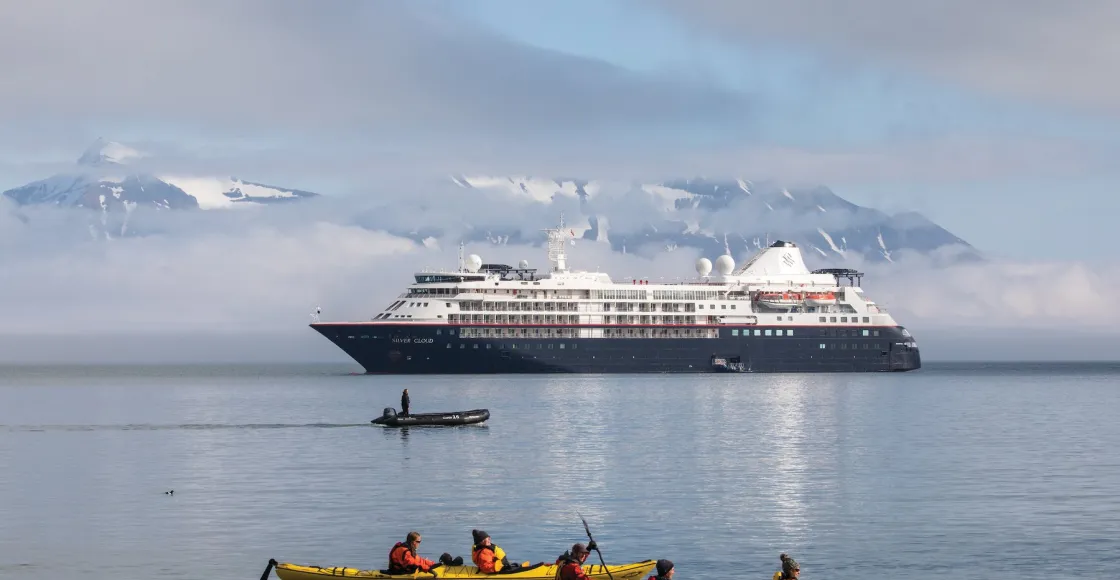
[[1053, 52], [1054, 295], [264, 274], [412, 74]]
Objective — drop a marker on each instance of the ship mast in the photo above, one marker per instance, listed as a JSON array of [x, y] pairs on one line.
[[556, 239]]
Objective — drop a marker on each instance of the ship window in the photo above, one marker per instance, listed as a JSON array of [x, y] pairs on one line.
[[451, 332], [866, 332], [550, 345], [462, 345], [425, 305], [733, 307], [723, 307], [778, 332], [439, 331], [843, 346], [575, 346], [701, 307], [757, 332], [475, 346], [561, 346], [447, 304], [449, 345], [874, 333], [866, 320], [832, 319], [843, 319], [734, 332], [789, 332], [488, 347], [513, 347], [822, 319], [767, 332], [822, 346]]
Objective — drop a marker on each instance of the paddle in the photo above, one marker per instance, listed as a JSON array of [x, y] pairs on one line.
[[268, 569], [592, 540]]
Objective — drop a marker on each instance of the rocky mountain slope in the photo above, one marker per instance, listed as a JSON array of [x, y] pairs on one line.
[[736, 216], [103, 180]]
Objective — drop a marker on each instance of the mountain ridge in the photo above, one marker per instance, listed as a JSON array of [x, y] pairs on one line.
[[102, 179], [733, 215]]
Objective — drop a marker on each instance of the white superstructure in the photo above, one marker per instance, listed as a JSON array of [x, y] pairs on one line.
[[773, 288]]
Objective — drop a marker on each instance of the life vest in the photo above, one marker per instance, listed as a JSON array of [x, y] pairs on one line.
[[500, 560], [563, 573], [399, 559]]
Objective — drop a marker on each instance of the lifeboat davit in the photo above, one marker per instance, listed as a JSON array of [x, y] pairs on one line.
[[779, 299], [820, 298]]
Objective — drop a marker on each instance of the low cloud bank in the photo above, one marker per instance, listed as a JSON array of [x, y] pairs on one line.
[[256, 277]]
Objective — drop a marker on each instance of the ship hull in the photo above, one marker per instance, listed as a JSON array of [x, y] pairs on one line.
[[382, 348]]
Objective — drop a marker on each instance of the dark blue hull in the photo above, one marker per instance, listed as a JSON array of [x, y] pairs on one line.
[[438, 349]]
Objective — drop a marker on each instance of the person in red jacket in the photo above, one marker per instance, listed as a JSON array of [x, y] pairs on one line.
[[571, 562], [664, 570], [403, 558]]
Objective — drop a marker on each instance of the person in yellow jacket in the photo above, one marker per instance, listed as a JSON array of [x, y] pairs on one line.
[[488, 556], [790, 569]]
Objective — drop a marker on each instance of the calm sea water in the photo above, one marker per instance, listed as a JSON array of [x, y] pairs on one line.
[[993, 471]]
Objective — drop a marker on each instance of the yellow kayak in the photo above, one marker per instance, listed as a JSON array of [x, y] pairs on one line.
[[542, 571]]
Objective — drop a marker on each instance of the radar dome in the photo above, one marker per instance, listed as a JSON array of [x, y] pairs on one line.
[[725, 264], [474, 262], [523, 264], [703, 266]]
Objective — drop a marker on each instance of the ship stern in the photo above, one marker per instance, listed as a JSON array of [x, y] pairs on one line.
[[904, 353]]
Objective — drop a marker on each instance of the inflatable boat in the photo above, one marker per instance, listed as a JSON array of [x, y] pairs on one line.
[[390, 418]]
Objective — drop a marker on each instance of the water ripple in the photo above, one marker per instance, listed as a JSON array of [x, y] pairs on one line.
[[927, 475]]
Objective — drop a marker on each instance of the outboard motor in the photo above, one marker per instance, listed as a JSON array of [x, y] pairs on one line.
[[388, 413]]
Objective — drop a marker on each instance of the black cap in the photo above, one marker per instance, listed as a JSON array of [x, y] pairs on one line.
[[479, 535], [663, 567]]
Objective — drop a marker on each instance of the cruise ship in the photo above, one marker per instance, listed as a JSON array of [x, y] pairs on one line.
[[771, 314]]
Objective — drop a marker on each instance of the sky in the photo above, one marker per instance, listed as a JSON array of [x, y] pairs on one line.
[[999, 121]]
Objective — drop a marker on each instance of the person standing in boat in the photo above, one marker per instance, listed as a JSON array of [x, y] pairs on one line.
[[790, 569], [664, 570], [403, 558], [404, 402], [488, 556], [571, 562]]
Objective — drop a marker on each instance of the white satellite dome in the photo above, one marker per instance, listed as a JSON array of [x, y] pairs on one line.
[[523, 264], [725, 265], [474, 262], [703, 267]]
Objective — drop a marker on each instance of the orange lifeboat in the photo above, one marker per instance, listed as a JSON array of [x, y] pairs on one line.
[[820, 298], [779, 299]]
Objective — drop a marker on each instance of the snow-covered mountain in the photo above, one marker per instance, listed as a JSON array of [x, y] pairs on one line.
[[733, 215], [712, 215], [102, 180]]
